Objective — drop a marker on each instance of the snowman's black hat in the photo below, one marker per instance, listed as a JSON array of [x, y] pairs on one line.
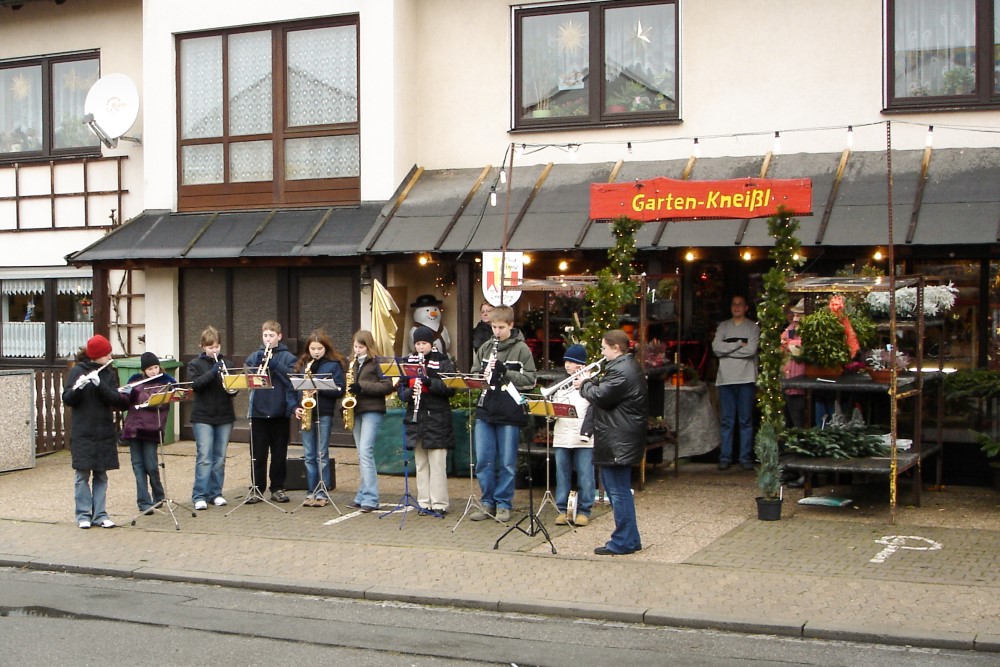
[[426, 300]]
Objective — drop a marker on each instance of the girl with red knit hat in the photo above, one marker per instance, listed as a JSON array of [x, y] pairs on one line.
[[92, 392]]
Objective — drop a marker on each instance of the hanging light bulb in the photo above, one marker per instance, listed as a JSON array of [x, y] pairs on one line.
[[777, 143], [930, 136], [689, 256], [563, 265], [503, 175], [526, 259], [629, 148], [877, 256], [696, 151], [747, 256], [572, 148], [493, 196], [850, 136]]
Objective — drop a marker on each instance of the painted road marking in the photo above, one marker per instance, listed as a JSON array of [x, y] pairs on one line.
[[894, 543]]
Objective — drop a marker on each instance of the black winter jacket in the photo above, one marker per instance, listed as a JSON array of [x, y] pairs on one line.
[[432, 427], [212, 403], [621, 412], [93, 436]]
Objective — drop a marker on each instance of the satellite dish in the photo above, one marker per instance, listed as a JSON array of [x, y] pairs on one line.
[[111, 107]]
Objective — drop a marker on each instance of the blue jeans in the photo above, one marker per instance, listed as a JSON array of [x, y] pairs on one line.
[[91, 504], [147, 473], [580, 459], [617, 481], [211, 442], [736, 401], [316, 447], [496, 458], [365, 427]]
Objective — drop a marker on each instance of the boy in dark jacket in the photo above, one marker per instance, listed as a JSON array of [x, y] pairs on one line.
[[143, 428], [92, 392], [270, 413], [509, 368], [428, 430]]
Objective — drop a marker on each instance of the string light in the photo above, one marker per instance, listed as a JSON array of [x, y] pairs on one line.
[[877, 256], [697, 148], [850, 136], [930, 136], [689, 256], [503, 175], [777, 143], [572, 148], [747, 256], [493, 196], [629, 148], [563, 265]]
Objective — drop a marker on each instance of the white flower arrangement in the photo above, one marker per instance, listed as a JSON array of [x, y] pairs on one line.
[[882, 360], [938, 300]]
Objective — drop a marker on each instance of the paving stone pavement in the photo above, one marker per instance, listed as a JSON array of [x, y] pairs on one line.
[[706, 562]]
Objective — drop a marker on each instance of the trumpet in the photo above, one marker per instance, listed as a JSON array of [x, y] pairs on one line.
[[308, 402], [224, 374], [349, 401], [548, 391], [262, 369]]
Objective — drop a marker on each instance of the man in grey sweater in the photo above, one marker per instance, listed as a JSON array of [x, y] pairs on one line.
[[735, 344]]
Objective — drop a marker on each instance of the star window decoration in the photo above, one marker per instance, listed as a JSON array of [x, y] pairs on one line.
[[572, 37], [641, 35]]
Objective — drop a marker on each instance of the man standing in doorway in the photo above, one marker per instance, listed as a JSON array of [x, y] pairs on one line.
[[735, 344]]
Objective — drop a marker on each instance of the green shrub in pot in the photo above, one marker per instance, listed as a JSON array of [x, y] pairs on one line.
[[824, 341]]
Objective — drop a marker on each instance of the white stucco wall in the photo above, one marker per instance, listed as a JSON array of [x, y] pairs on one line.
[[756, 66], [114, 28]]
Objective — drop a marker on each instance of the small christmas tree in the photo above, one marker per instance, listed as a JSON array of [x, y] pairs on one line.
[[614, 290]]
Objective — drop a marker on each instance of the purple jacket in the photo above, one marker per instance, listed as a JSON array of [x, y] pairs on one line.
[[145, 423]]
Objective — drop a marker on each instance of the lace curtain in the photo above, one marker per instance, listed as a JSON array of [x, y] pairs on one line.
[[935, 47]]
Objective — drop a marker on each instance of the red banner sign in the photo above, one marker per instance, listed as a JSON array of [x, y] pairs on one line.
[[668, 199]]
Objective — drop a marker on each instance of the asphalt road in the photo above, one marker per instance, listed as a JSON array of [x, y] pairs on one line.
[[68, 619]]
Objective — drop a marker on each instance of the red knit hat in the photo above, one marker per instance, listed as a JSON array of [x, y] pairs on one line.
[[98, 346]]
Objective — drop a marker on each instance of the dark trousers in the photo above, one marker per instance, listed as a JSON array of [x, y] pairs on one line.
[[269, 436]]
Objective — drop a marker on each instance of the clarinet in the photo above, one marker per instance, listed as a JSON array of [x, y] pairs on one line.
[[418, 386], [491, 365]]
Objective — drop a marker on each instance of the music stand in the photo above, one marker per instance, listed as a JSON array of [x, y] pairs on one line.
[[164, 395], [467, 383], [551, 411], [392, 367], [310, 382], [535, 525], [234, 381]]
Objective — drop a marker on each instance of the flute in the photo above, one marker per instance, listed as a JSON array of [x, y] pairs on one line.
[[84, 379]]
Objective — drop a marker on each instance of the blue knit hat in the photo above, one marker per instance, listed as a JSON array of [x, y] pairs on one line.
[[576, 353]]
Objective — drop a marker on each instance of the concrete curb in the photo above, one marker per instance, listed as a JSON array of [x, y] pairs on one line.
[[662, 617]]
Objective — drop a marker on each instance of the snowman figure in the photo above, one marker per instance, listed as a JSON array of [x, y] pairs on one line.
[[427, 312]]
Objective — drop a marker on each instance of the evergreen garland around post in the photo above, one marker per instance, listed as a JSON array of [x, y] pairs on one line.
[[771, 318], [614, 290]]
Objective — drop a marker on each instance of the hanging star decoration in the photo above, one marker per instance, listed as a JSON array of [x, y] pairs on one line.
[[572, 37], [20, 87], [641, 35]]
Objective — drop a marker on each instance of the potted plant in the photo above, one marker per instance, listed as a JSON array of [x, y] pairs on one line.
[[880, 363], [824, 344], [938, 300], [768, 473]]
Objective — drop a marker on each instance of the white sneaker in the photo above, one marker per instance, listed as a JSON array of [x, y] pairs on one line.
[[108, 523], [84, 524], [219, 501], [201, 505]]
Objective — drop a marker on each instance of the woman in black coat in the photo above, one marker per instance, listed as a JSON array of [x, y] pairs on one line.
[[92, 392], [621, 414]]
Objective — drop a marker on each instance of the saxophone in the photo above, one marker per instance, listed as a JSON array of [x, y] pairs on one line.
[[349, 400], [308, 403]]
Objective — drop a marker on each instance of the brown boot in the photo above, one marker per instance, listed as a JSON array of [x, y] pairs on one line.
[[561, 519], [581, 520]]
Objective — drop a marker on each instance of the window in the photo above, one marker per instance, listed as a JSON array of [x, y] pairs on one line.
[[943, 54], [32, 309], [41, 106], [629, 47], [269, 116]]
